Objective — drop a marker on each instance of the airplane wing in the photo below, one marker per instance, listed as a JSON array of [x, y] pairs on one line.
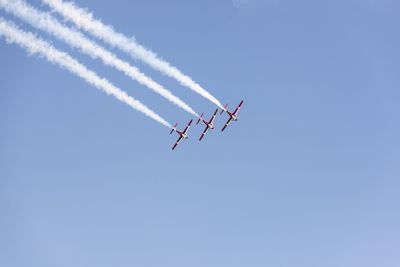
[[177, 142], [204, 132], [237, 109], [187, 127], [213, 117], [226, 124]]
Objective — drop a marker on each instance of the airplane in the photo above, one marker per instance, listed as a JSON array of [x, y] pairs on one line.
[[232, 115], [182, 135], [209, 124]]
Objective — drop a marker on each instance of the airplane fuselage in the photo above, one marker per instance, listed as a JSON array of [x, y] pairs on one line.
[[209, 125], [233, 116], [185, 136]]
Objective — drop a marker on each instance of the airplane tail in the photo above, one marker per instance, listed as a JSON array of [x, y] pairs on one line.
[[173, 128], [222, 111], [200, 118]]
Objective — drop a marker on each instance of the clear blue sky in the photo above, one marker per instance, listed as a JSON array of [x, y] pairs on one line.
[[308, 177]]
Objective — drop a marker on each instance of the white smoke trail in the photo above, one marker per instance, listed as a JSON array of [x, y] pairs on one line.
[[34, 45], [46, 22], [84, 20]]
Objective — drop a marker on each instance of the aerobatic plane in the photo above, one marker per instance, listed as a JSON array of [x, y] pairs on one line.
[[232, 115], [182, 135], [209, 124]]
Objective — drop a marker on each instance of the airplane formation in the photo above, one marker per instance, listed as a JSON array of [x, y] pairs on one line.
[[73, 37], [209, 124]]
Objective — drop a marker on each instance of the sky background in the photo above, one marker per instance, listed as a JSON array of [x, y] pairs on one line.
[[308, 176]]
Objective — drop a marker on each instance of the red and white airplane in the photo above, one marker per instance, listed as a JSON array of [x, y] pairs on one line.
[[209, 124], [182, 135], [232, 115]]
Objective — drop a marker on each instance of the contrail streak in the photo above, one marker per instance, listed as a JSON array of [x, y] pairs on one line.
[[46, 22], [34, 45], [84, 20]]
